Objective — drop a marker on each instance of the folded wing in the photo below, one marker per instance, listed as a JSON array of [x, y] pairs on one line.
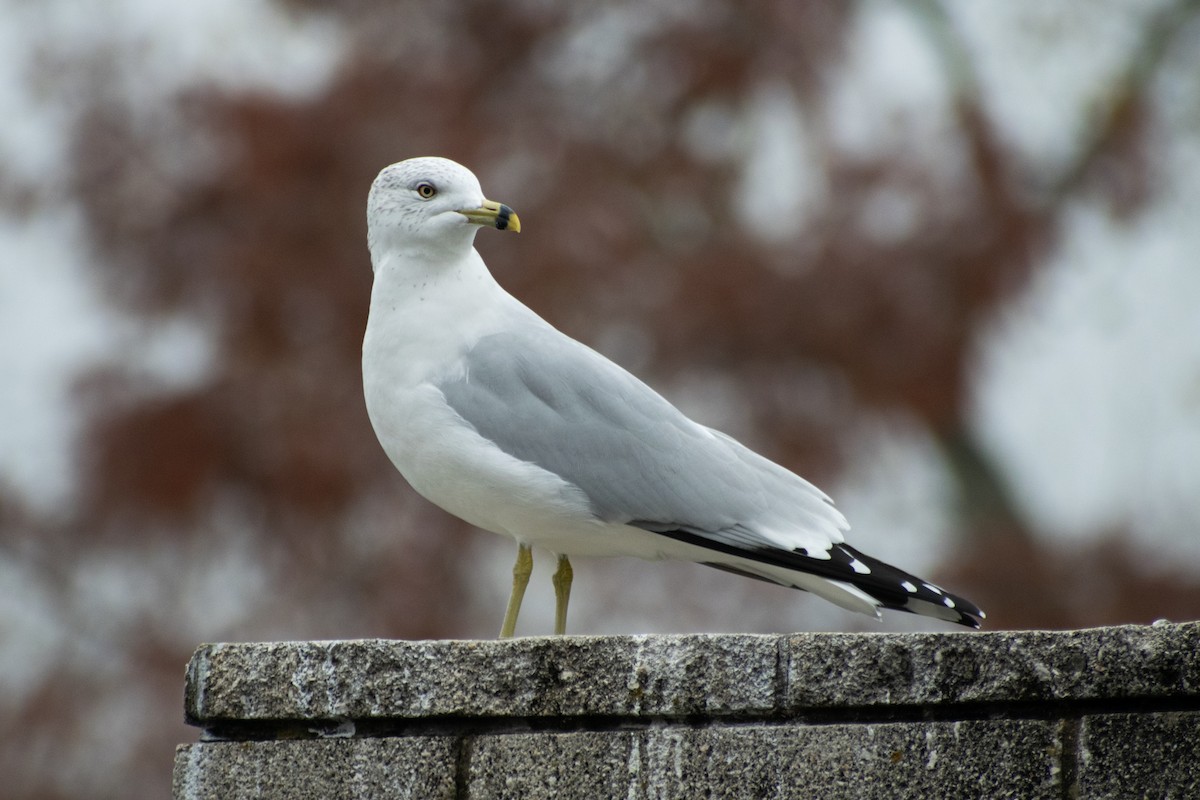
[[549, 400]]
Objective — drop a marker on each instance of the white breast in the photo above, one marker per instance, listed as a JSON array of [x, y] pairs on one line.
[[416, 337]]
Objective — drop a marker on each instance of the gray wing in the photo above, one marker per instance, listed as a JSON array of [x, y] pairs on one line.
[[549, 400]]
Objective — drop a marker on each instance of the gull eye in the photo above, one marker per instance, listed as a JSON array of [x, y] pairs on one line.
[[426, 190]]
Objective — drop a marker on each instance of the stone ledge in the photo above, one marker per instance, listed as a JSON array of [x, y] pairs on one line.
[[743, 677], [1103, 713]]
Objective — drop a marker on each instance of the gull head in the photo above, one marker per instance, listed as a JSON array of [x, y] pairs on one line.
[[430, 208]]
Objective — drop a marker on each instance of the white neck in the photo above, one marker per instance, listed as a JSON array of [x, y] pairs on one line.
[[424, 317], [426, 251], [404, 280]]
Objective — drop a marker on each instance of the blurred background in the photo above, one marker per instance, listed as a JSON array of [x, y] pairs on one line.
[[941, 258]]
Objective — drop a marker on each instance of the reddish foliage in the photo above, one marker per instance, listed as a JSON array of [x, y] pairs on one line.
[[267, 245]]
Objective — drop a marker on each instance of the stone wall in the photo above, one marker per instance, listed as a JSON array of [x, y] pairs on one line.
[[1103, 713]]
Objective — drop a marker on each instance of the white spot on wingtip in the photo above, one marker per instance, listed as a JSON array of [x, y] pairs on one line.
[[949, 603], [908, 587], [932, 588], [859, 567]]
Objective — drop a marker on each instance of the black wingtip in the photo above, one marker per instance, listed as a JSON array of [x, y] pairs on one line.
[[891, 587], [901, 591]]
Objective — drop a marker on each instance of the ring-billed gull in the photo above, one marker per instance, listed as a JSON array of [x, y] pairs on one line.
[[500, 419]]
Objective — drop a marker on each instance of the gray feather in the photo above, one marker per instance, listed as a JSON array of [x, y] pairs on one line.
[[551, 401]]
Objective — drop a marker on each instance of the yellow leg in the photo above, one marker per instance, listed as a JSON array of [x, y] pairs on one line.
[[521, 571], [562, 593]]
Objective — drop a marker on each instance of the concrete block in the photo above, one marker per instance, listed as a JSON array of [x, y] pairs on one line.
[[1140, 755], [564, 766], [298, 769], [895, 761], [533, 677], [1116, 663]]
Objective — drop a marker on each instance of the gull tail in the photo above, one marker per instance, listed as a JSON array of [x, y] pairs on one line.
[[848, 578]]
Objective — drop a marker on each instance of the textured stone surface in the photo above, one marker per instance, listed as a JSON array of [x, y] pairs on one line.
[[566, 766], [534, 677], [1140, 755], [898, 760], [890, 761], [1131, 661], [416, 767], [1104, 713], [685, 675]]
